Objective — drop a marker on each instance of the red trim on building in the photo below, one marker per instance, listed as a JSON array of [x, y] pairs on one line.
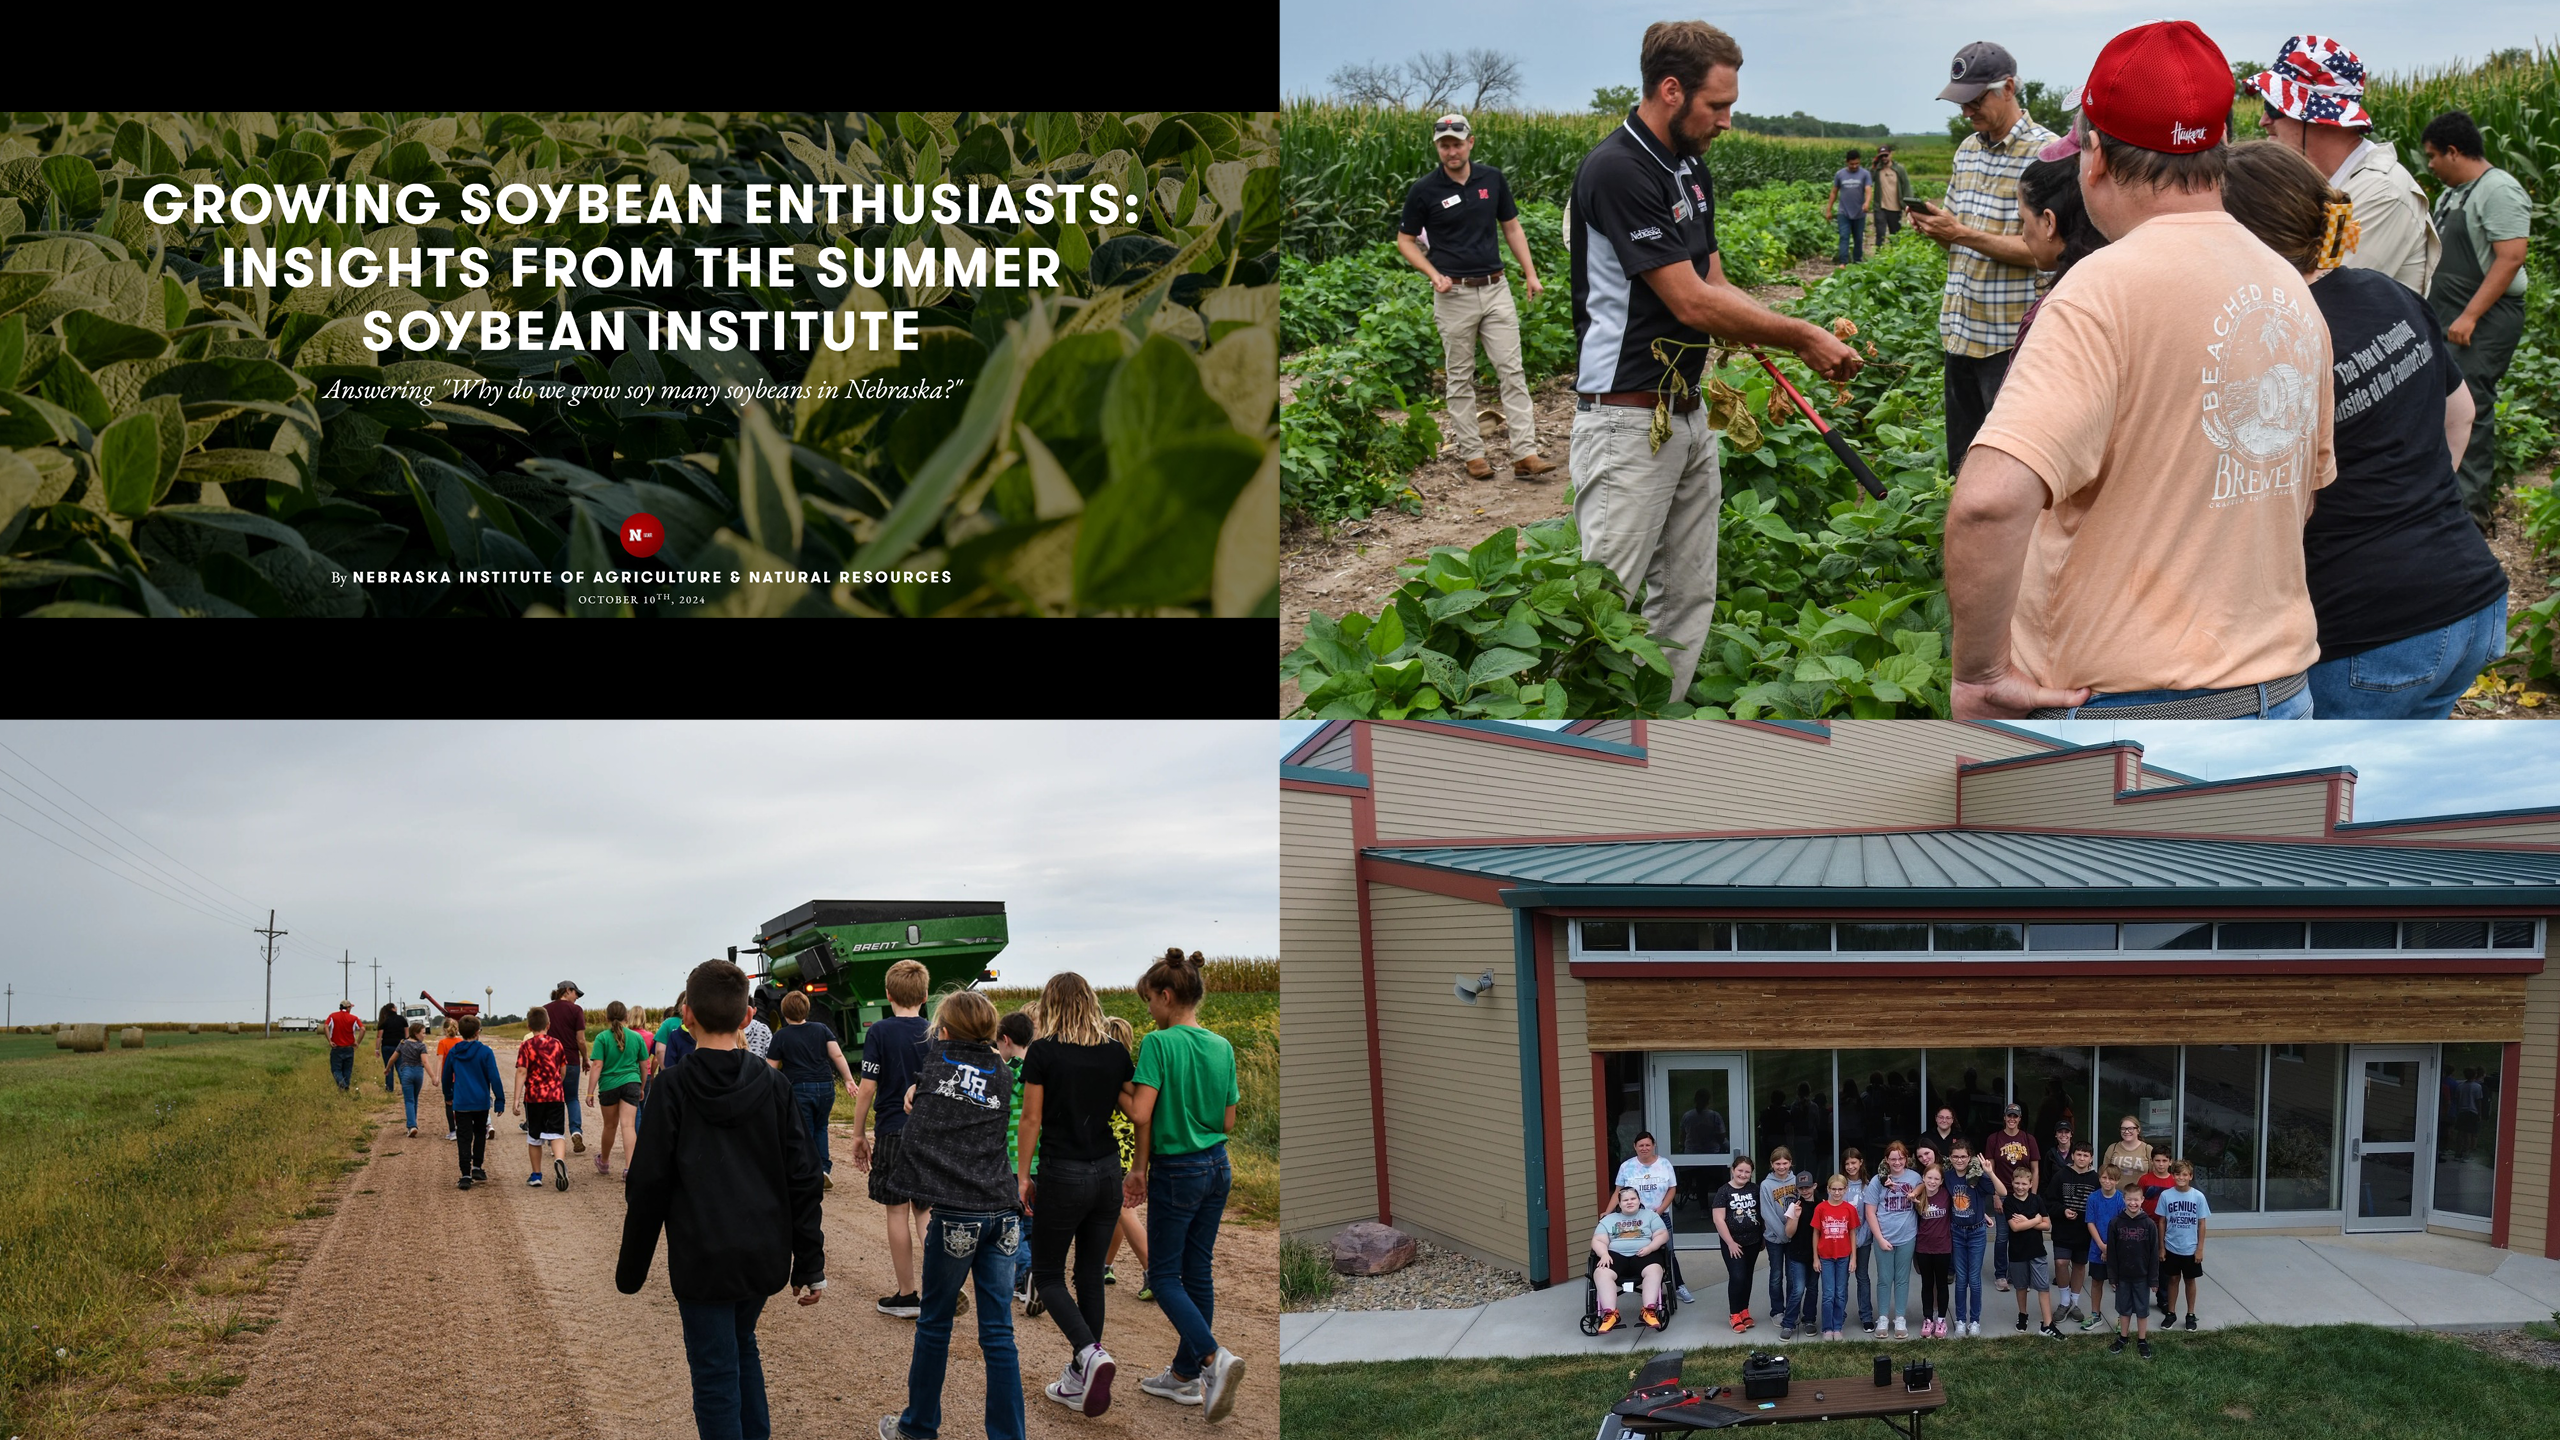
[[1517, 742], [1637, 733], [1364, 831], [1314, 788], [2084, 752], [2509, 1070], [1473, 840], [1606, 1177], [1817, 964], [1952, 913], [2459, 822], [1559, 1226], [1437, 882]]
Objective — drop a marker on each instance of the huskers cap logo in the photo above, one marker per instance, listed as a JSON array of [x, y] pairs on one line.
[[2181, 135]]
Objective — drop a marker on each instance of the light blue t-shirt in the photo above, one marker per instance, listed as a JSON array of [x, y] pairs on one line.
[[1862, 1193], [2102, 1211], [1626, 1234], [1652, 1182], [1892, 1201], [2179, 1212]]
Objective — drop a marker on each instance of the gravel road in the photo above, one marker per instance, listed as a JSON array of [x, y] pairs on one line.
[[415, 1295]]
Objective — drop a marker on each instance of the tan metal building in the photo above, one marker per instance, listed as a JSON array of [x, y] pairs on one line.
[[1509, 949]]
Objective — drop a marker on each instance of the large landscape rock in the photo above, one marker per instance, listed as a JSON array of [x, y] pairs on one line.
[[1369, 1248]]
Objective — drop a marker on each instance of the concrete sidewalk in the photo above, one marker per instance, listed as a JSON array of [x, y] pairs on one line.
[[2431, 1282]]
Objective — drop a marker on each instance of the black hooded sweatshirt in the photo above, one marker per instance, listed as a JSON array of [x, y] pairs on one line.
[[726, 1169], [952, 1156]]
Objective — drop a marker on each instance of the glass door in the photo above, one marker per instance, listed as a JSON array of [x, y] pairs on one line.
[[1697, 1107], [2389, 1136]]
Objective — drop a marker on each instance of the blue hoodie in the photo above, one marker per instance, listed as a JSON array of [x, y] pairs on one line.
[[471, 1078]]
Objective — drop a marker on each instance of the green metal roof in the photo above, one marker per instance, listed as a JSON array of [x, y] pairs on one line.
[[1993, 868]]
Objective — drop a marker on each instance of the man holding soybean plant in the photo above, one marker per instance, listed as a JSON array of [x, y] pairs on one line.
[[1462, 204]]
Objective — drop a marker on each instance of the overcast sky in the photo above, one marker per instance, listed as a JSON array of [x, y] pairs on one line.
[[2403, 768], [617, 855], [1860, 61]]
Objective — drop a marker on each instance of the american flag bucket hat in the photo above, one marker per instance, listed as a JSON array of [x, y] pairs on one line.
[[2317, 81]]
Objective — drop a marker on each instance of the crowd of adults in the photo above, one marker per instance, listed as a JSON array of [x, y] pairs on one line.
[[2221, 335]]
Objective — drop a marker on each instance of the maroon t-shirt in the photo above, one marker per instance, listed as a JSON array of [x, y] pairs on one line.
[[567, 1019], [2007, 1153], [541, 1057]]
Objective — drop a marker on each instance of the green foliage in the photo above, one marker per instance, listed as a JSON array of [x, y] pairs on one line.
[[2514, 97], [1306, 1271], [1520, 625], [1799, 123], [2043, 103], [1612, 99], [1109, 447], [1762, 233]]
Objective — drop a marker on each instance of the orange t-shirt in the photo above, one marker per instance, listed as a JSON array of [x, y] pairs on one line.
[[2174, 397]]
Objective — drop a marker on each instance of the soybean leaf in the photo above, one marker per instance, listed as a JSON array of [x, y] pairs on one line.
[[245, 522], [99, 341], [1149, 536], [129, 458], [765, 494], [33, 420], [930, 490], [74, 182], [68, 383], [226, 378], [1155, 399]]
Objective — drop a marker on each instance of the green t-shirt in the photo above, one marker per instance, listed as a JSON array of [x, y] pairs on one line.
[[1194, 1073], [621, 1063], [1013, 1122], [2494, 207], [669, 1026]]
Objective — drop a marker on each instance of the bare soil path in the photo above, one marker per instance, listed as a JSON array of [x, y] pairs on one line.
[[413, 1285]]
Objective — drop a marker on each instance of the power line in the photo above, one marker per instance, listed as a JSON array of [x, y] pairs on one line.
[[129, 830], [129, 880], [112, 846]]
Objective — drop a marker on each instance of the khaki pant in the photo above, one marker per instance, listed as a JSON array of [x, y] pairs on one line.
[[1651, 518], [1466, 313]]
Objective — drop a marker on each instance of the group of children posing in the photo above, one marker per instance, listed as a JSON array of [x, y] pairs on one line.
[[2136, 1220]]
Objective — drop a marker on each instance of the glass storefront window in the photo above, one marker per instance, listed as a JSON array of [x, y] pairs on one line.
[[2173, 935], [2071, 937], [1972, 1083], [2262, 935], [1879, 1101], [2355, 934], [2221, 1124], [2448, 934], [1982, 937], [2304, 1111], [1883, 937], [2140, 1081], [1604, 934], [1679, 935], [2052, 1085], [1622, 1091], [1792, 1089], [1763, 936], [2467, 1101]]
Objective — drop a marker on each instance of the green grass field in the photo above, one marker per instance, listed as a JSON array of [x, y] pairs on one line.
[[128, 1173], [2264, 1382], [29, 1047]]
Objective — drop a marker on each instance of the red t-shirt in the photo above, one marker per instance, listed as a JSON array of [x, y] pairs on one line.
[[539, 1056], [2152, 1185], [1833, 1225], [341, 1027]]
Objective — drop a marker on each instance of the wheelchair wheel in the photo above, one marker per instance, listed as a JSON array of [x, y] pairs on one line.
[[1590, 1324]]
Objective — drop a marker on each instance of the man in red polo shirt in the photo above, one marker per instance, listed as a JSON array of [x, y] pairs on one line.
[[343, 1030]]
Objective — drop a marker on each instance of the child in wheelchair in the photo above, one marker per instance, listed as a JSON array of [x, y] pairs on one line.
[[1631, 1239]]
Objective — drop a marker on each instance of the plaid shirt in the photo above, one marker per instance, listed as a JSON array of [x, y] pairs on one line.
[[1986, 299]]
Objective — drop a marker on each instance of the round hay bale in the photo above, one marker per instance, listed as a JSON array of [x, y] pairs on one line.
[[133, 1037], [88, 1038], [235, 1027], [61, 1037], [191, 1027]]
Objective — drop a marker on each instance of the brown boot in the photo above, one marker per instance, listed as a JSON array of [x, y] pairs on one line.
[[1530, 466], [1479, 467]]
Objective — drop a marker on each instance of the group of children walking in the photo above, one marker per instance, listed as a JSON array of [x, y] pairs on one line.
[[2062, 1219]]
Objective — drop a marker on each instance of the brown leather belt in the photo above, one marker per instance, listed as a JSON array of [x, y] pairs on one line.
[[1475, 279], [1644, 400]]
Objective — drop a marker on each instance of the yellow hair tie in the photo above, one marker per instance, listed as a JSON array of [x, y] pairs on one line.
[[2341, 235]]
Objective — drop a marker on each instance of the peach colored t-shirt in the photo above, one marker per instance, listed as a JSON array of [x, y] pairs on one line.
[[2174, 398]]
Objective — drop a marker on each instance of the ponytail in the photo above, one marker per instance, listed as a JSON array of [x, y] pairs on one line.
[[614, 1015]]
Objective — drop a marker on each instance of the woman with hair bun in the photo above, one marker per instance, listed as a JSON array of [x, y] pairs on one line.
[[1185, 1107], [2411, 603]]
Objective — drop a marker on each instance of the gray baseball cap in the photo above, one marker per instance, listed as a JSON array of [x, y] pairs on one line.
[[1977, 68], [1450, 125]]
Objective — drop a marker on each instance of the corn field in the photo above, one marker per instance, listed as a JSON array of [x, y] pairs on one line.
[[2516, 101]]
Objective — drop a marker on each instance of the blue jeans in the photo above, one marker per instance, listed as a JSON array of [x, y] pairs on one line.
[[411, 1077], [577, 1121], [1968, 1259], [1186, 1197], [386, 1069], [1853, 240], [1798, 1303], [2414, 679], [817, 1100], [1999, 1244], [1866, 1284], [958, 1247], [2297, 708], [1835, 1294], [728, 1373], [342, 1065]]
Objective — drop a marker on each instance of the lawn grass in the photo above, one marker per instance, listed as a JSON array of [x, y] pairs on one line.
[[28, 1047], [2262, 1381], [126, 1172]]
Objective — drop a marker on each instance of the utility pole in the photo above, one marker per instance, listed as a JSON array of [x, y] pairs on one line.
[[377, 972], [271, 932], [346, 980]]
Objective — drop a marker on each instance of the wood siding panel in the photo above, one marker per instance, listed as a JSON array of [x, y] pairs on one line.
[[1700, 775], [2076, 793], [1454, 1128], [1327, 1176], [1823, 1012], [2537, 832], [2297, 808], [2536, 1099]]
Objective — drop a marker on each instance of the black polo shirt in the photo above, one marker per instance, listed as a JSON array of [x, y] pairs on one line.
[[1636, 207], [1461, 219]]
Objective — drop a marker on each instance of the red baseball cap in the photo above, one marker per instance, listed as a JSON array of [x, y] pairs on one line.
[[2163, 86]]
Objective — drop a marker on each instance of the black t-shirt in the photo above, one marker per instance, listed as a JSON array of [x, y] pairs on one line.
[[1741, 1207], [2071, 1217], [1800, 1244], [2389, 551], [1462, 219], [1635, 208], [2025, 1244], [1079, 1088], [802, 1049]]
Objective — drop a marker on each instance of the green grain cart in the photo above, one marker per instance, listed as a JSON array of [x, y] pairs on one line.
[[839, 953]]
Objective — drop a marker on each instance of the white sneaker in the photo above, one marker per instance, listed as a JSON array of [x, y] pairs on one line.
[[1067, 1389], [1686, 1298], [1096, 1367], [1898, 1327], [1225, 1375], [1166, 1385], [449, 1135]]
